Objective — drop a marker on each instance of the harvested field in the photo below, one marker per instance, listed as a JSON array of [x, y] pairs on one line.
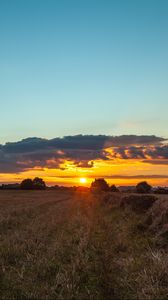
[[64, 245]]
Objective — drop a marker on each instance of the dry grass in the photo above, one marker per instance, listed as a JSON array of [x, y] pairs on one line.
[[69, 246]]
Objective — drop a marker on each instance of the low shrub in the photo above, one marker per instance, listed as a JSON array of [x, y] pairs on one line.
[[138, 203]]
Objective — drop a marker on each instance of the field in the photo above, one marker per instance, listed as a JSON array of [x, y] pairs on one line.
[[73, 245]]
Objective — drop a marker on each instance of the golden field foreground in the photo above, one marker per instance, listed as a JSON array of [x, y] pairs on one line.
[[75, 245]]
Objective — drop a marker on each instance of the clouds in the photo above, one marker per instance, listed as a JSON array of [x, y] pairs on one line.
[[81, 150], [149, 153], [92, 142]]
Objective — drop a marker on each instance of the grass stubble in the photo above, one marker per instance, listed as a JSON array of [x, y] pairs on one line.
[[62, 245]]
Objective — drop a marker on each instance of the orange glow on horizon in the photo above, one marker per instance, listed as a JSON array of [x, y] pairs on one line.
[[115, 171]]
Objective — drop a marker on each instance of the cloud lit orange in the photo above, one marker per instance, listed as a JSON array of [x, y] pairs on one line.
[[79, 159]]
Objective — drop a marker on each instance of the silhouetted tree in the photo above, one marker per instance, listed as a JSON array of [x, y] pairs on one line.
[[99, 185], [143, 187], [113, 188], [38, 183], [27, 184], [35, 184]]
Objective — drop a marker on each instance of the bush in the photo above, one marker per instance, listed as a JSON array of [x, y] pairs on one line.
[[39, 184], [143, 187], [113, 199], [27, 184], [99, 185], [114, 189], [139, 204]]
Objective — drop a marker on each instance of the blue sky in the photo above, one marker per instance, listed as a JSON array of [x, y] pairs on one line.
[[90, 67]]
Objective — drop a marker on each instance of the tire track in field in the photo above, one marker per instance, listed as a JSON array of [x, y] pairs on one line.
[[71, 278]]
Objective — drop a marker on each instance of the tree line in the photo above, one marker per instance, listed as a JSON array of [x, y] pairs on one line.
[[27, 184], [35, 184], [98, 185], [101, 184]]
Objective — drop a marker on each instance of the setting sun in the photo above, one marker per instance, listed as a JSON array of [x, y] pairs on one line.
[[83, 180]]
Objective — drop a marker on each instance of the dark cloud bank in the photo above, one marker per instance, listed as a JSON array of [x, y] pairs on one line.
[[81, 149]]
